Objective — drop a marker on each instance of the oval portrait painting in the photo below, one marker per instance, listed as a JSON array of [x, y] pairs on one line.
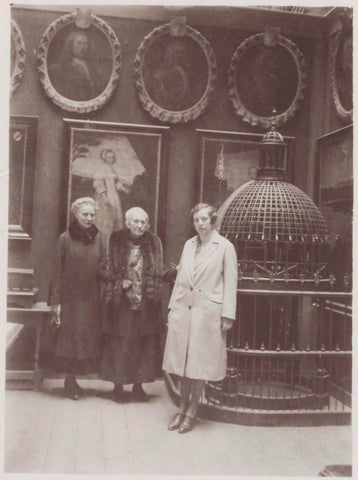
[[267, 79], [175, 75], [267, 74], [341, 73], [80, 66], [175, 72], [79, 63], [17, 56]]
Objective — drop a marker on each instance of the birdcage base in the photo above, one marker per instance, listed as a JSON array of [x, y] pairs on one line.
[[266, 396]]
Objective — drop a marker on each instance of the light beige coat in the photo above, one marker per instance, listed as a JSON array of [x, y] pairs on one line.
[[204, 291]]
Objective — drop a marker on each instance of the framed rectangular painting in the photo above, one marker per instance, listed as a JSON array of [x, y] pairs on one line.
[[120, 166], [334, 179], [334, 196], [22, 153], [227, 160]]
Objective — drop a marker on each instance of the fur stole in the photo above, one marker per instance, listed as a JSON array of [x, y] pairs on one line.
[[86, 236], [119, 247]]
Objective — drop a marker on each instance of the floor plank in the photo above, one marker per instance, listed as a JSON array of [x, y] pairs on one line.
[[61, 451], [18, 411], [90, 440], [31, 456], [99, 436]]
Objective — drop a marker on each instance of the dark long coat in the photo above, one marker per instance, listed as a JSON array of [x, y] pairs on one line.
[[75, 285], [132, 351]]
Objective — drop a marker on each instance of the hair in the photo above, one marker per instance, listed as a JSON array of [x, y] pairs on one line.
[[132, 212], [103, 153], [67, 51], [81, 202], [212, 212]]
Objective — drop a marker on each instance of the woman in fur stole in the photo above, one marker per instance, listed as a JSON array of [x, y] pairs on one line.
[[132, 353]]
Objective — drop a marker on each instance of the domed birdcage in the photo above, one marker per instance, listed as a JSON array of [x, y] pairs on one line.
[[285, 364], [280, 235]]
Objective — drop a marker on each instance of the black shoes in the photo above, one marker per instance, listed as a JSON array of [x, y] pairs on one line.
[[118, 395], [187, 424], [176, 421], [138, 393], [182, 422], [72, 389]]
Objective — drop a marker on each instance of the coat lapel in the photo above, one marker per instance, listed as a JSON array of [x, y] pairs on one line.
[[188, 264], [212, 246]]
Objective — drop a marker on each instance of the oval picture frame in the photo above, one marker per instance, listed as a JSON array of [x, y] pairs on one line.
[[170, 85], [278, 68], [341, 75], [54, 76], [18, 57]]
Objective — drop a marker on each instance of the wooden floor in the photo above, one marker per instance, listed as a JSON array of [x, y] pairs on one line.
[[47, 433]]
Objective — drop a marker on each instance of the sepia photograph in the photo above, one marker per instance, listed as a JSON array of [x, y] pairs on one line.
[[178, 237]]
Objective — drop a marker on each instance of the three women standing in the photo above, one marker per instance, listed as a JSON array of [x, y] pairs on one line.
[[202, 306], [202, 309]]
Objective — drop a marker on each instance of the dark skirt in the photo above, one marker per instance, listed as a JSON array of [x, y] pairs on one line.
[[71, 350], [132, 358]]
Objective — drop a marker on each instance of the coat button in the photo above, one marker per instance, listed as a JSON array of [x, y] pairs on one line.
[[189, 307], [191, 289]]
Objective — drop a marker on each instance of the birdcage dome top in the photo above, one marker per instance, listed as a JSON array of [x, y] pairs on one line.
[[272, 210], [273, 137]]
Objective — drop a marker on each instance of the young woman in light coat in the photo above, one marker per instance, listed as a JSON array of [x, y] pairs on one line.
[[202, 309]]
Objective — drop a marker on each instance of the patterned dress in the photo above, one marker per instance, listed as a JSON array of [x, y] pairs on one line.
[[132, 344]]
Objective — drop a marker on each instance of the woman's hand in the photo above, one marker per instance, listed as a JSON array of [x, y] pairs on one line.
[[126, 284], [56, 315], [173, 266], [226, 323]]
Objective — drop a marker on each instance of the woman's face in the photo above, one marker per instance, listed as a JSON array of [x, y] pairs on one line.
[[110, 157], [202, 222], [80, 46], [137, 225], [85, 216]]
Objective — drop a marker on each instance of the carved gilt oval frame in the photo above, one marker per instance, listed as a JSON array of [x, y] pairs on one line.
[[299, 62], [343, 113], [42, 65], [20, 56], [149, 104]]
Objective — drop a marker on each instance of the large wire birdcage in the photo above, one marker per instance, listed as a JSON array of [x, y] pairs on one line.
[[290, 349], [279, 233]]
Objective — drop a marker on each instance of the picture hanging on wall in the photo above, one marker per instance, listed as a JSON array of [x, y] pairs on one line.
[[267, 72], [334, 193], [79, 62], [175, 74], [228, 160], [120, 166], [22, 159], [17, 56], [341, 69]]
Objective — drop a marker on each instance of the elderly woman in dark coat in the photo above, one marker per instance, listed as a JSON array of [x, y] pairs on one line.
[[74, 297], [132, 353]]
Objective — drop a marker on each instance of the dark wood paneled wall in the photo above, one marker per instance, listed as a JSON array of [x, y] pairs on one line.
[[29, 99]]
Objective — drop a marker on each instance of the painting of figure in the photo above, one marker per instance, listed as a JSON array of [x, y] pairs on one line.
[[79, 63], [228, 160], [175, 73], [267, 79], [120, 168]]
